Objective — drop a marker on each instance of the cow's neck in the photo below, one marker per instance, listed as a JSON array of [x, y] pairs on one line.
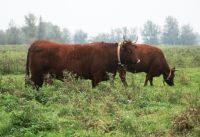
[[167, 73]]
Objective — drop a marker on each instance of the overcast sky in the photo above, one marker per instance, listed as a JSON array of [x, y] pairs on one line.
[[94, 16]]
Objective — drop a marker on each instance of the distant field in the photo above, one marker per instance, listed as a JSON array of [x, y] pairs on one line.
[[73, 108], [13, 57]]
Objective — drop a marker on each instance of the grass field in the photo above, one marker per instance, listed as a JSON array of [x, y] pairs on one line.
[[73, 108]]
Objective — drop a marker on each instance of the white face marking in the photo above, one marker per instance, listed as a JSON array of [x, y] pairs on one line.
[[138, 61]]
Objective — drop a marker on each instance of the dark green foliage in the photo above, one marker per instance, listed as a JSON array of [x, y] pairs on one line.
[[8, 102], [29, 120]]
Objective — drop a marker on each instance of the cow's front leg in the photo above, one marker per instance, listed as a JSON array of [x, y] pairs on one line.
[[122, 75], [146, 80]]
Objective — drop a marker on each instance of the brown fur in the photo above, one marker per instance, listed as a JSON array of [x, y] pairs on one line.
[[88, 61], [153, 63]]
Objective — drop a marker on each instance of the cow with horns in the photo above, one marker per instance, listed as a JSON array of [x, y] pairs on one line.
[[153, 63], [89, 61]]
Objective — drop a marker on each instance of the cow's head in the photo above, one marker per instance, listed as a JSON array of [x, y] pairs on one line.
[[169, 79], [128, 53]]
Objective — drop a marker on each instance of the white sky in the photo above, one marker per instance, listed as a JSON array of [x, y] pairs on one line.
[[94, 16]]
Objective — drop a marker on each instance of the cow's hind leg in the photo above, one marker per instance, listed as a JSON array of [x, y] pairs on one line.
[[122, 75], [94, 83], [148, 78], [151, 81], [60, 76], [98, 77], [38, 81]]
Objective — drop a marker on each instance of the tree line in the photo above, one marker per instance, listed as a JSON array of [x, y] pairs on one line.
[[34, 28]]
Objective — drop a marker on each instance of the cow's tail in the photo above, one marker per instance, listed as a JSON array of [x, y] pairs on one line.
[[27, 76]]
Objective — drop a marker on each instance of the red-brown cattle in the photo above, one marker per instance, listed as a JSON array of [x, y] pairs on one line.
[[153, 63], [89, 61]]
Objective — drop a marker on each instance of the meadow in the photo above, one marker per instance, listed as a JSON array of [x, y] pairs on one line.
[[75, 109]]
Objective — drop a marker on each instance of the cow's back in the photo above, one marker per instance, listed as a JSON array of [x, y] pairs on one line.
[[150, 56], [83, 60]]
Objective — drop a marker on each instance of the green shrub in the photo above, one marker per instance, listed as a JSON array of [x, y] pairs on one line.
[[8, 102], [30, 120]]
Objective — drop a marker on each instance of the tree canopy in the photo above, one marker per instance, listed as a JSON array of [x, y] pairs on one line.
[[150, 33], [34, 28]]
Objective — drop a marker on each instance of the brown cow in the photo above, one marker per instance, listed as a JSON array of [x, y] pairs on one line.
[[153, 62], [88, 61]]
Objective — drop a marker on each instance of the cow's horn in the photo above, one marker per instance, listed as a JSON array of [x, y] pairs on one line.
[[175, 69]]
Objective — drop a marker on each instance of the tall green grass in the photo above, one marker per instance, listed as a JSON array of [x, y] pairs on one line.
[[73, 108], [183, 57], [12, 59]]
